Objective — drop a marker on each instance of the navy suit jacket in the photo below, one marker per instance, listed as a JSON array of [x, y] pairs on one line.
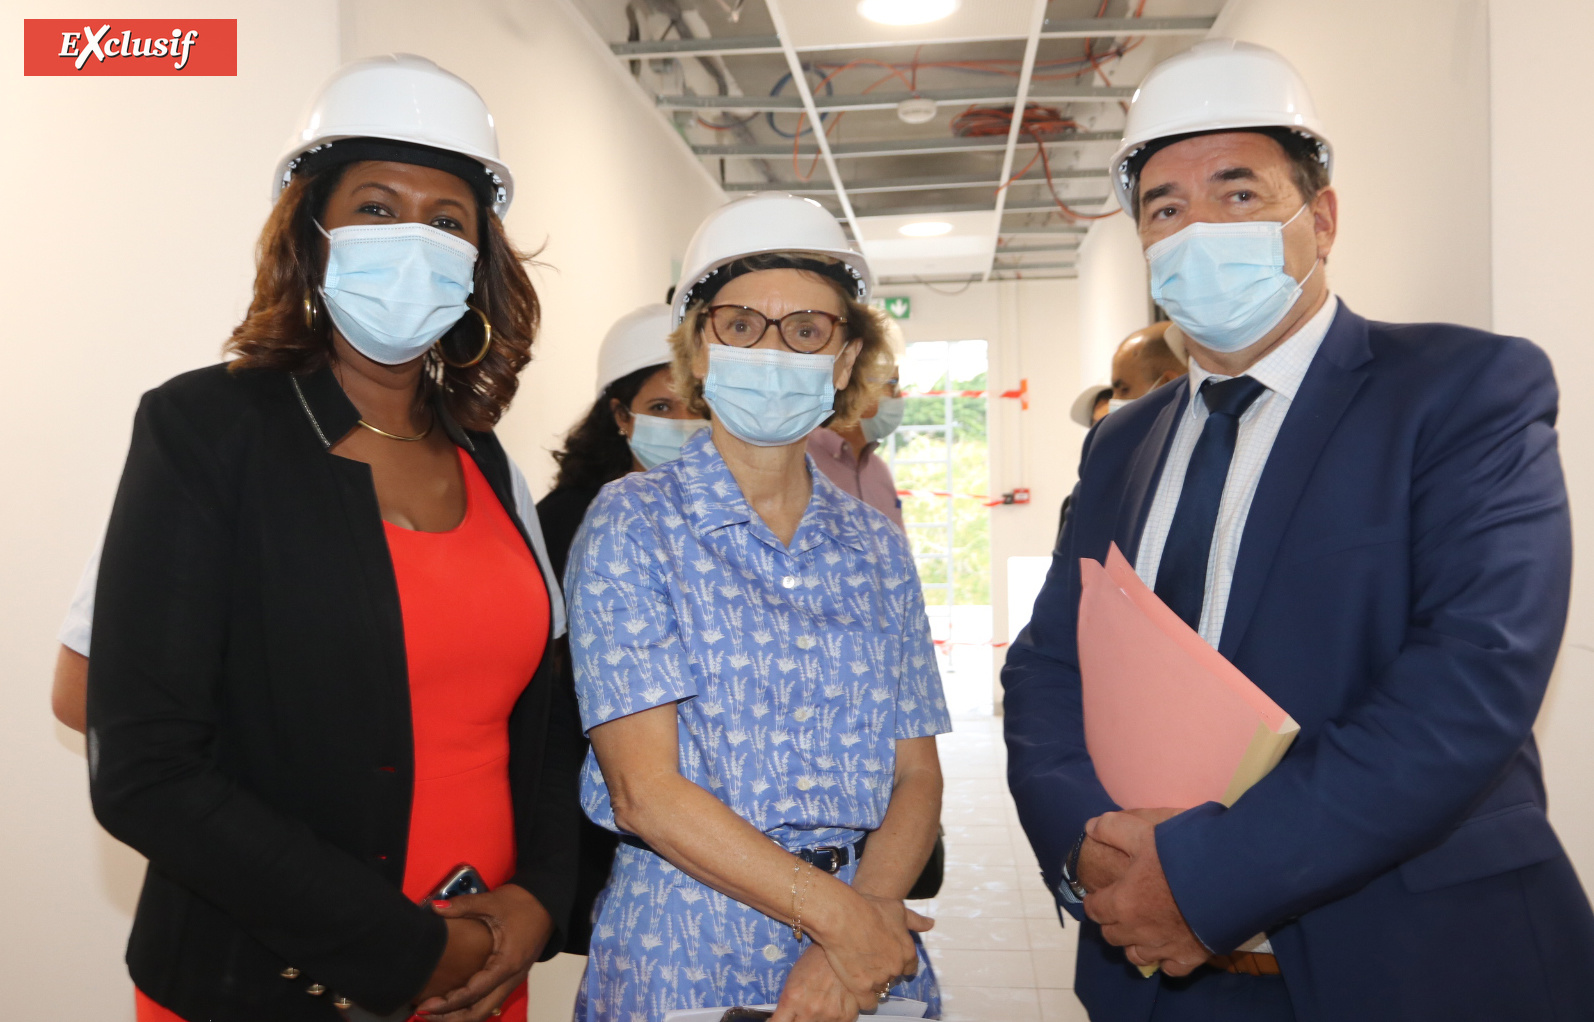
[[1401, 589]]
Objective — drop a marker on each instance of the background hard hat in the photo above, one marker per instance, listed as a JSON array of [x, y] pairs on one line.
[[404, 97], [1214, 85], [761, 223], [639, 339], [1084, 406]]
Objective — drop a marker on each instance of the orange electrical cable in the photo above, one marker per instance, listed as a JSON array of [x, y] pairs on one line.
[[1038, 123]]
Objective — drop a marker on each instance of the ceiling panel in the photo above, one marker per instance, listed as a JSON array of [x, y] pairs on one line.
[[965, 249], [720, 72]]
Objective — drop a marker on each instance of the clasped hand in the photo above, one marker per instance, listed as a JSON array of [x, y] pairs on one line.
[[844, 972], [518, 927], [1129, 895]]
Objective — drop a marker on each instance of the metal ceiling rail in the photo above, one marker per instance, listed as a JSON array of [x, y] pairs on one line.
[[1073, 28], [1043, 230], [1016, 120], [722, 47], [900, 147], [890, 100], [1013, 209], [1015, 273], [908, 184], [1033, 266], [1048, 206], [795, 64], [1096, 28], [1008, 250]]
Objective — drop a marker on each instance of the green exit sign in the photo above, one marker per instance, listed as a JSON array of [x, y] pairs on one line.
[[900, 307]]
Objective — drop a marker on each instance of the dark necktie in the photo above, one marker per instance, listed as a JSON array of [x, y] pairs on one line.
[[1182, 573]]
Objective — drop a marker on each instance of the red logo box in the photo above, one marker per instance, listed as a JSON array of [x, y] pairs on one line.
[[130, 46]]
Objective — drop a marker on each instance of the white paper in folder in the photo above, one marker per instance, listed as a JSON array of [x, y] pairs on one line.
[[895, 1007]]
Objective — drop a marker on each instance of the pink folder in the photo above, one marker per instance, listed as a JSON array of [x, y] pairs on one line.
[[1168, 721]]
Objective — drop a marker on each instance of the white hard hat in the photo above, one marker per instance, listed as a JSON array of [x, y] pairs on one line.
[[767, 223], [1215, 85], [639, 339], [403, 98], [1084, 405]]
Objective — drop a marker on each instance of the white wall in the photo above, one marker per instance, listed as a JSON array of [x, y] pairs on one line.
[[135, 207], [1031, 327], [135, 203], [1398, 86], [1541, 271], [606, 190], [1114, 295]]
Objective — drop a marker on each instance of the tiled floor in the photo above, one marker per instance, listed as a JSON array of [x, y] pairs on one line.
[[996, 946]]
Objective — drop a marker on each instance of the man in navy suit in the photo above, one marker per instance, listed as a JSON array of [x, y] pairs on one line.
[[1368, 520]]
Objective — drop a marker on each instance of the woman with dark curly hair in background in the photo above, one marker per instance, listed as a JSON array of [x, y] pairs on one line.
[[638, 421], [321, 676]]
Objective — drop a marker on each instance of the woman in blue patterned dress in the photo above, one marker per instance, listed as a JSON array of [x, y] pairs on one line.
[[754, 664]]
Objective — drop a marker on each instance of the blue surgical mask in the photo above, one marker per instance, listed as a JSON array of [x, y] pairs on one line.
[[1115, 403], [1224, 283], [769, 397], [394, 289], [655, 440], [885, 420]]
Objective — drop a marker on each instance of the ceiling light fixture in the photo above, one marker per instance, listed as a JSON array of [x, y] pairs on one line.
[[907, 12], [916, 110], [925, 229]]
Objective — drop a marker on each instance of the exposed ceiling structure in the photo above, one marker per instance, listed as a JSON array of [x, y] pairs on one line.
[[917, 130]]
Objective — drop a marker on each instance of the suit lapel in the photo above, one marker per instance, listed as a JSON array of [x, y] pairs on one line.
[[1337, 373], [1144, 471]]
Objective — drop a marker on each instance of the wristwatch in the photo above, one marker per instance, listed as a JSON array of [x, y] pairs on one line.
[[1071, 890]]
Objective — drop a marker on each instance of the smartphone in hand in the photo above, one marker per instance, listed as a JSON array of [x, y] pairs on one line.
[[462, 879]]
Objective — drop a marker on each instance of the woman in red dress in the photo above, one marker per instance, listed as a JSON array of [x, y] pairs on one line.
[[321, 675]]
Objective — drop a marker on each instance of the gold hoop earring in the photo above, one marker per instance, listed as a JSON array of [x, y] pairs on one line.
[[487, 343], [311, 314]]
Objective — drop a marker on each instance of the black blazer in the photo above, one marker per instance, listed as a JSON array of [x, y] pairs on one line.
[[249, 714]]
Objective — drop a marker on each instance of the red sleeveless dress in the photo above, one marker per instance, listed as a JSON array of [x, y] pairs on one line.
[[476, 620]]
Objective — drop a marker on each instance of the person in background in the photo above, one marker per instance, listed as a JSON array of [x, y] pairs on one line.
[[845, 451], [321, 676], [1369, 520], [754, 663], [1144, 361], [638, 421], [1090, 407]]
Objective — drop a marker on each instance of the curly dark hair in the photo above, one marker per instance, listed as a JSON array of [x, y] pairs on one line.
[[595, 451], [289, 268]]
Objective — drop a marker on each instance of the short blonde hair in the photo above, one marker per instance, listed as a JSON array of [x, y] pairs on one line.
[[869, 327]]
